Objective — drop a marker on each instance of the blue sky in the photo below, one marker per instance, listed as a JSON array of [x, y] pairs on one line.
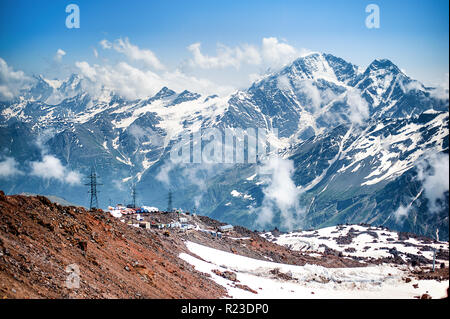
[[413, 34]]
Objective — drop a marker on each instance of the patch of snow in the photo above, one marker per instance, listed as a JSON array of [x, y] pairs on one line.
[[365, 282]]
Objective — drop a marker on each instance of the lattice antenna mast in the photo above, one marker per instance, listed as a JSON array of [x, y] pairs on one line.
[[93, 191]]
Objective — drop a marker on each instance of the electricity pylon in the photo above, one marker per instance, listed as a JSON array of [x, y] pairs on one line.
[[93, 191]]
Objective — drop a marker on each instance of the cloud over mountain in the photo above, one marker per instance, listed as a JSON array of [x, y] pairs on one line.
[[272, 53], [11, 82], [133, 52], [51, 168], [59, 55], [9, 167]]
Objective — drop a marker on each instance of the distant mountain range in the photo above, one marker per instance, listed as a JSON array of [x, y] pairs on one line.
[[364, 145]]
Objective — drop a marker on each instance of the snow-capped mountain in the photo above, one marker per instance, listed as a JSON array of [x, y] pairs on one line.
[[378, 175], [353, 135]]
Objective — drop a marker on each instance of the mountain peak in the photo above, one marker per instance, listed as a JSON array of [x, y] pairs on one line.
[[73, 77], [188, 95], [72, 82], [185, 96], [163, 93], [314, 66], [38, 77], [383, 64], [308, 67]]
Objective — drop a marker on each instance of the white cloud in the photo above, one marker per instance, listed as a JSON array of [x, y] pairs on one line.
[[441, 91], [277, 53], [122, 78], [146, 134], [411, 86], [401, 213], [133, 52], [73, 178], [51, 168], [105, 44], [180, 81], [86, 70], [132, 82], [95, 52], [283, 83], [272, 53], [9, 167], [11, 82], [312, 92], [433, 172], [280, 194], [5, 93], [359, 109], [163, 174], [226, 57], [314, 98], [59, 55], [43, 137]]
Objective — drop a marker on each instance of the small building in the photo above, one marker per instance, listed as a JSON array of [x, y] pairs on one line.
[[226, 228], [182, 220]]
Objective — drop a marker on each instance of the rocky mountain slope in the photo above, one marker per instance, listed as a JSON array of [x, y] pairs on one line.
[[40, 241]]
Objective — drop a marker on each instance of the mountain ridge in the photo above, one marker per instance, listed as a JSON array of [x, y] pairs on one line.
[[130, 140]]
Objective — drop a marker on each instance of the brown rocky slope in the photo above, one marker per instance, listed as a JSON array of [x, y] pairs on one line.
[[40, 239]]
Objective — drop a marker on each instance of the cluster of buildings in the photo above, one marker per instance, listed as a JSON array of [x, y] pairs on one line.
[[142, 217], [119, 210], [152, 224]]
